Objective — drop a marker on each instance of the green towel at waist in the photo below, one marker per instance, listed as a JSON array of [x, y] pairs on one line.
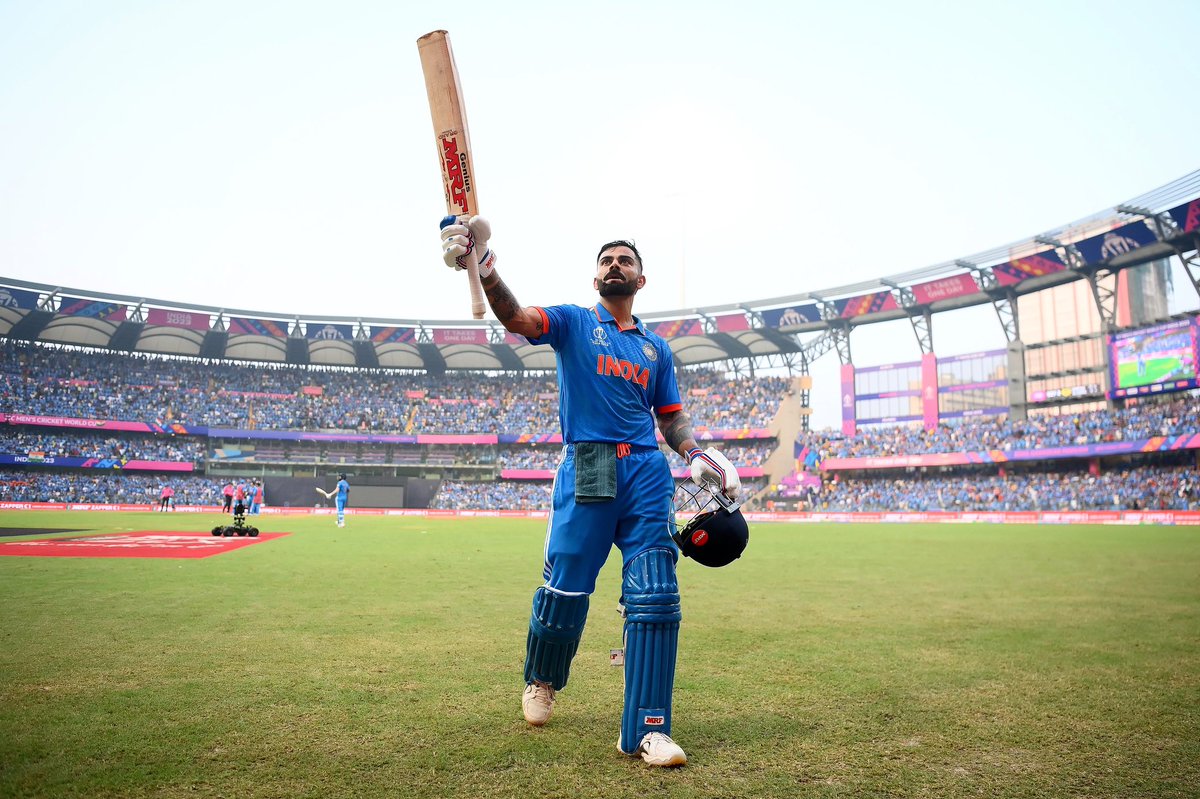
[[595, 471]]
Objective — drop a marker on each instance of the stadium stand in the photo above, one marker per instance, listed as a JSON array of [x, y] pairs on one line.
[[180, 414], [1136, 486], [107, 396]]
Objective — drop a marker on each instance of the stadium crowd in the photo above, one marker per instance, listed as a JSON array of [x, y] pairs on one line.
[[1134, 488], [50, 381], [25, 440], [1134, 423], [105, 487], [516, 494], [507, 494]]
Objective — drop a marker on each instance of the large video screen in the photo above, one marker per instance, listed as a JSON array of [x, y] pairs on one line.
[[1154, 359]]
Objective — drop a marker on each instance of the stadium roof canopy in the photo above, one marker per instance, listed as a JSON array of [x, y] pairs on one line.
[[1158, 224]]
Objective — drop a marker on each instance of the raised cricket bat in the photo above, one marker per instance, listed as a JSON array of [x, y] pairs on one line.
[[449, 114]]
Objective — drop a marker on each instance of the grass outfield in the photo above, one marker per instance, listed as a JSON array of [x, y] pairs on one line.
[[384, 660]]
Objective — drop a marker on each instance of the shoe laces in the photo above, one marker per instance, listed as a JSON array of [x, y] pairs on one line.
[[654, 738], [542, 691]]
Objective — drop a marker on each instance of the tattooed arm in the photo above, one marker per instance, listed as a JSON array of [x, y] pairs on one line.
[[676, 428], [522, 321]]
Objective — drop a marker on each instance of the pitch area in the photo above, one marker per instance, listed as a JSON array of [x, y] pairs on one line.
[[384, 659]]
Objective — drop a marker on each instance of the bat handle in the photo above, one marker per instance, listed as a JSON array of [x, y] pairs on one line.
[[478, 307]]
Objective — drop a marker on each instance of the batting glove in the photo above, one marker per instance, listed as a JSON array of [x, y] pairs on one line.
[[712, 467], [461, 237]]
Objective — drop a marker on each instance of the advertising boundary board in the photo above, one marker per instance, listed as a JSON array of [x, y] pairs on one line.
[[1181, 517]]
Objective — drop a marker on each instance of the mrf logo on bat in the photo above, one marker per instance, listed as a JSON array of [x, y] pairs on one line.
[[458, 174]]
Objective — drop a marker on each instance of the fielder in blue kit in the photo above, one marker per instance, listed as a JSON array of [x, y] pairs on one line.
[[342, 490], [616, 382]]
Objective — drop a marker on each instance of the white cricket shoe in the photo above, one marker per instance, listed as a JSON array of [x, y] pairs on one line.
[[341, 524], [538, 703], [658, 749]]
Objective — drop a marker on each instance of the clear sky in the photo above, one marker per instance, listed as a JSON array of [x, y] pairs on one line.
[[278, 156]]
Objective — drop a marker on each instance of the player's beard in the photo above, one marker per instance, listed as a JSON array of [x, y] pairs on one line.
[[626, 288]]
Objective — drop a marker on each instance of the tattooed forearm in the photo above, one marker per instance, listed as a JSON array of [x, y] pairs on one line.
[[677, 431], [509, 311], [503, 303]]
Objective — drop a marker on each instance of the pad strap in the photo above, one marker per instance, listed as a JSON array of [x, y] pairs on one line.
[[555, 627], [650, 596]]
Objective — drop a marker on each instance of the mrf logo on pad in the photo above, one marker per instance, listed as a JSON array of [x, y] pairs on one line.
[[654, 718]]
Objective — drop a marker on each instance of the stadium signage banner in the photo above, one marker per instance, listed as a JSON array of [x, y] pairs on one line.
[[1107, 246], [1187, 216], [677, 327], [30, 459], [929, 390], [169, 317], [101, 424], [530, 438], [490, 438], [1017, 270], [946, 288], [731, 323], [726, 435], [1067, 392], [849, 411], [293, 435], [329, 332], [456, 335], [240, 325], [790, 317], [865, 304], [18, 298], [389, 335], [93, 309]]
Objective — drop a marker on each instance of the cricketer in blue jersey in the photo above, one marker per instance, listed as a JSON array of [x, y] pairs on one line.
[[342, 492], [613, 486]]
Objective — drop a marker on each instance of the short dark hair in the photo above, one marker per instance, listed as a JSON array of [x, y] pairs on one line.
[[621, 243]]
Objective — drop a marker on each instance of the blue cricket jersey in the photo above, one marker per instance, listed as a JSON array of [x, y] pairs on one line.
[[343, 491], [611, 381]]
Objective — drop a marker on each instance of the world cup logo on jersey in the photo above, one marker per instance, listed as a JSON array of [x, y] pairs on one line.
[[599, 336]]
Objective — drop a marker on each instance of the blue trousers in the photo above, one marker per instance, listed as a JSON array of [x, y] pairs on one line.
[[580, 536]]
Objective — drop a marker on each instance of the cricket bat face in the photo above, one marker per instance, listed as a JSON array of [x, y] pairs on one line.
[[453, 143], [449, 116]]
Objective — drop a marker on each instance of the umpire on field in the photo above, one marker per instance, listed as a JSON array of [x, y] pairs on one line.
[[613, 485]]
